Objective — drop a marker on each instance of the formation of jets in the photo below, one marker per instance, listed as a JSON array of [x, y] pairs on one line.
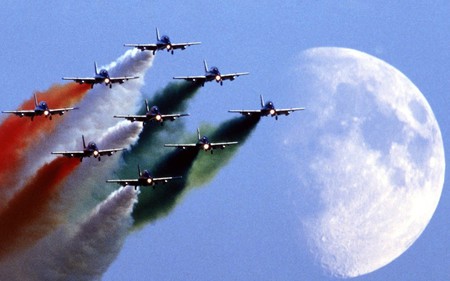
[[144, 179], [40, 108], [202, 143], [91, 149], [152, 114]]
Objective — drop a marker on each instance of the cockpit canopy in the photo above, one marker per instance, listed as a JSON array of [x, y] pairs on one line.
[[146, 174], [165, 39], [214, 70], [91, 145], [43, 104], [270, 105], [104, 73], [204, 139], [154, 110]]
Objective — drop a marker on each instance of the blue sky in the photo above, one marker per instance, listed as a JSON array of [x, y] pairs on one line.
[[241, 225]]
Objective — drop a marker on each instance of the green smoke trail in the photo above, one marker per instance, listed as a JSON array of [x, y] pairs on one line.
[[207, 166], [196, 167], [174, 96], [157, 202], [171, 99]]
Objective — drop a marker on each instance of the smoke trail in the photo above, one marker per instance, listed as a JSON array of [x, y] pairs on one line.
[[92, 174], [158, 201], [96, 111], [23, 221], [94, 120], [19, 134], [174, 96], [98, 101], [97, 122], [207, 166], [197, 168], [171, 99], [96, 242], [78, 252]]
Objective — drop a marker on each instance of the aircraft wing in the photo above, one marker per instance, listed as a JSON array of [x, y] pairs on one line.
[[232, 76], [222, 144], [200, 78], [181, 145], [76, 153], [247, 112], [125, 182], [144, 118], [165, 179], [286, 111], [109, 152], [173, 116], [141, 118], [120, 80], [135, 182], [61, 111], [184, 45], [143, 47], [81, 80], [28, 113]]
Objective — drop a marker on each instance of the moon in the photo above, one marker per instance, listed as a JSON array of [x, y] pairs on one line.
[[367, 159]]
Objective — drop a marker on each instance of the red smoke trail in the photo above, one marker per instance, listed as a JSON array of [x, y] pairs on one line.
[[17, 134], [28, 215]]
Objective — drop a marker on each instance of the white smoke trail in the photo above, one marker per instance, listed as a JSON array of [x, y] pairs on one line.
[[86, 186], [96, 110], [78, 252], [92, 174]]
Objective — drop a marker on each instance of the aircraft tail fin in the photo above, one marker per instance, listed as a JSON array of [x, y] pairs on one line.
[[146, 106], [139, 170], [96, 69], [35, 100], [262, 100], [84, 143], [206, 65], [198, 134], [158, 37]]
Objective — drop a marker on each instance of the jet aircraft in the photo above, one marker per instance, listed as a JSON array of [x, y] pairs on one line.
[[212, 74], [152, 114], [203, 143], [267, 109], [162, 43], [144, 179], [90, 150], [41, 108], [101, 76]]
